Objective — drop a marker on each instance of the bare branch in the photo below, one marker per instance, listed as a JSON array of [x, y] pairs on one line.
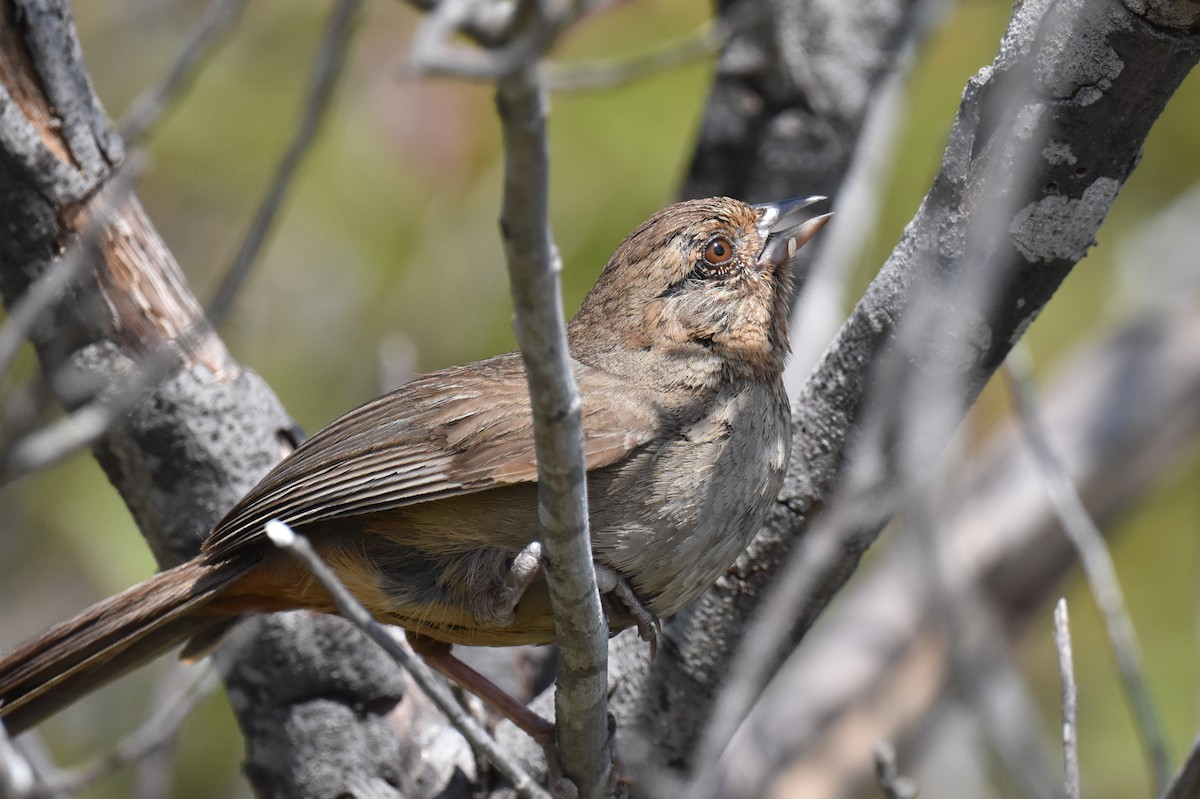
[[1066, 673], [155, 733], [17, 778], [613, 72], [327, 65], [887, 773], [996, 218], [1097, 566], [534, 268], [298, 546], [148, 107]]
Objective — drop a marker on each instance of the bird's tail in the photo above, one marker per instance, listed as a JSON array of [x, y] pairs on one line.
[[108, 639]]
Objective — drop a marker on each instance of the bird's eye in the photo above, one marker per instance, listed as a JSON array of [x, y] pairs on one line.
[[718, 252]]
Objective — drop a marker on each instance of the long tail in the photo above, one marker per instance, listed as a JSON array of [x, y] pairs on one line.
[[108, 639]]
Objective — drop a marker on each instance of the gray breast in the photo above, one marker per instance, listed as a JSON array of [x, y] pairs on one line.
[[673, 519]]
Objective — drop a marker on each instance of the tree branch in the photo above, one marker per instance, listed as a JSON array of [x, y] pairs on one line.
[[201, 435], [327, 66], [1097, 565], [1106, 408], [581, 707], [1066, 671], [1004, 223]]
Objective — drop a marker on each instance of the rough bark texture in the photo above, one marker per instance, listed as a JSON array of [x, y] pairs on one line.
[[204, 430], [792, 91], [880, 665], [1043, 141]]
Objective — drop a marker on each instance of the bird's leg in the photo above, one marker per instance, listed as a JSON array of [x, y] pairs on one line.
[[438, 656], [526, 567], [649, 627]]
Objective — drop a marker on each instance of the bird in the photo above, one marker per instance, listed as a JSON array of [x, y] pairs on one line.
[[424, 501]]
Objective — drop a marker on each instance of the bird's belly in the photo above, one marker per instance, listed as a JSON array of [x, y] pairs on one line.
[[700, 499]]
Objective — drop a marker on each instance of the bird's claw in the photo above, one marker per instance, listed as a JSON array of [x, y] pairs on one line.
[[648, 625]]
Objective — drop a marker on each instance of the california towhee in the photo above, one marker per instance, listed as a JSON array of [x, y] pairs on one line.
[[424, 501]]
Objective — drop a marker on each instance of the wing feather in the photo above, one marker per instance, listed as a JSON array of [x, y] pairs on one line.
[[458, 431]]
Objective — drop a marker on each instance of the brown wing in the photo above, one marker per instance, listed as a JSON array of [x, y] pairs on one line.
[[458, 431]]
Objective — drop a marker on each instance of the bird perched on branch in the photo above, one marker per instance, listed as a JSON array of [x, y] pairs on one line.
[[424, 501]]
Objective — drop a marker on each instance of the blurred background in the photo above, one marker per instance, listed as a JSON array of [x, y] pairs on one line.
[[386, 262]]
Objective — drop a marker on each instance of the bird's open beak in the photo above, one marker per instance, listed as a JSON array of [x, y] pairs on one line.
[[785, 228]]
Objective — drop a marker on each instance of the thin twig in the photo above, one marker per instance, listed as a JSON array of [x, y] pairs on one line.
[[51, 444], [155, 733], [1096, 561], [17, 778], [534, 267], [148, 107], [612, 72], [331, 54], [893, 785], [286, 538], [1066, 672], [1186, 783], [30, 306], [433, 53]]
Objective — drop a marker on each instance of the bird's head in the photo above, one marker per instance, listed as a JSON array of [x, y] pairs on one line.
[[699, 293]]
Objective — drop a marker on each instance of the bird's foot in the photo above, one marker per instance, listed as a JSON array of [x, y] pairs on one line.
[[648, 625]]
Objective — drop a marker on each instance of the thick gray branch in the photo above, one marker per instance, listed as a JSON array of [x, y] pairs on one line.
[[203, 433], [1106, 409], [1043, 141]]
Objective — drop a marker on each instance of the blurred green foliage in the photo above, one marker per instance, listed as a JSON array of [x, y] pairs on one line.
[[388, 246]]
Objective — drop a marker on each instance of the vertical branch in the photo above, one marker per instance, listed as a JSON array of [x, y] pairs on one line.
[[17, 778], [1066, 670], [1097, 565], [534, 267]]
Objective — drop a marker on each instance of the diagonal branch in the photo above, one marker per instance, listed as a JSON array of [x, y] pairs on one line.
[[1097, 566], [327, 65], [148, 107], [287, 539], [205, 430], [1004, 223]]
